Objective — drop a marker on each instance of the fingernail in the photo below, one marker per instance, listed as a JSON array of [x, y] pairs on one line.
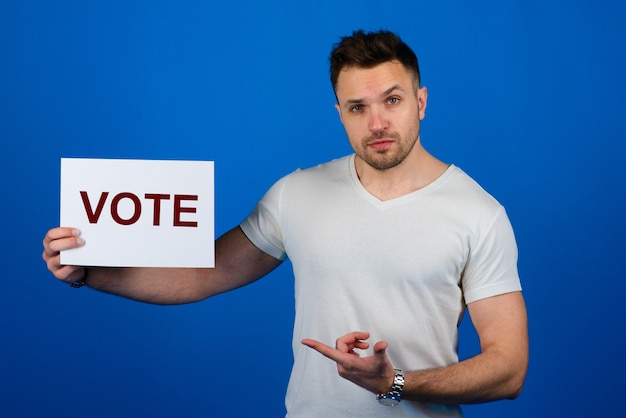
[[80, 241]]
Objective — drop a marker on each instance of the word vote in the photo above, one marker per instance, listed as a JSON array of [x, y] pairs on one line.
[[157, 198]]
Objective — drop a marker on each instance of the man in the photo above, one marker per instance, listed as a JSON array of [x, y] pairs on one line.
[[388, 244]]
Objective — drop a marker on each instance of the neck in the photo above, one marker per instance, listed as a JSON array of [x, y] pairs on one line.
[[415, 172]]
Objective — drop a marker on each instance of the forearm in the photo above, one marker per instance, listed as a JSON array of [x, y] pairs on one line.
[[237, 263], [498, 372], [488, 376], [151, 285]]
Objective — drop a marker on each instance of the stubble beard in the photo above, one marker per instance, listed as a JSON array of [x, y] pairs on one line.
[[387, 158]]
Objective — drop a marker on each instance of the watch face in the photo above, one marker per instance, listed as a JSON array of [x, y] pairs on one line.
[[388, 401]]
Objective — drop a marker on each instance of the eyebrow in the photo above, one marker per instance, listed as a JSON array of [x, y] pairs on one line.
[[383, 94]]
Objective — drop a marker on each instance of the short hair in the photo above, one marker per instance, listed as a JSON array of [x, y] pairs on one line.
[[369, 49]]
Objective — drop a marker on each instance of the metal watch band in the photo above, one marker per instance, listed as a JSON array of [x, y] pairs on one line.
[[394, 396]]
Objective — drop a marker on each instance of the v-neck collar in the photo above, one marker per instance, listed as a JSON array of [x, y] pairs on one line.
[[396, 200]]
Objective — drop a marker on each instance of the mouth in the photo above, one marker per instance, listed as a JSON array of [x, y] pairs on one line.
[[380, 143]]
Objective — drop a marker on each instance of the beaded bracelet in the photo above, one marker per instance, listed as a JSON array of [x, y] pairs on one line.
[[79, 283]]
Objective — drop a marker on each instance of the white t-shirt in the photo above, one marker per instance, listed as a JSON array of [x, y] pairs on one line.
[[402, 269]]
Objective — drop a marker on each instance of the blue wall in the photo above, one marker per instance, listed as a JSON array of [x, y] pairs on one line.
[[527, 97]]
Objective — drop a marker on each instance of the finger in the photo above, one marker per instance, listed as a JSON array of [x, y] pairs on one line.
[[53, 247], [363, 345], [354, 336], [380, 352], [60, 271], [324, 349], [351, 341], [61, 232], [380, 347], [359, 345], [56, 234], [314, 344]]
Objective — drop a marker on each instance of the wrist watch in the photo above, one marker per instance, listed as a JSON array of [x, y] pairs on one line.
[[394, 396]]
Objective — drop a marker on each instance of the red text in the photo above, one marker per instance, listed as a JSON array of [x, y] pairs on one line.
[[94, 214]]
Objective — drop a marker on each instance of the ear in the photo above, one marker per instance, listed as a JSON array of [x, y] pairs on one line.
[[339, 111], [422, 99]]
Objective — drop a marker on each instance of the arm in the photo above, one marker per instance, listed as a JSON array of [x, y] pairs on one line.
[[498, 372], [237, 263]]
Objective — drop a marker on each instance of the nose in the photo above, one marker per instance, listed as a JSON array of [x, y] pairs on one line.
[[377, 121]]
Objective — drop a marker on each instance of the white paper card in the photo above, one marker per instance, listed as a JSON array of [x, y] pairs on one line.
[[139, 213]]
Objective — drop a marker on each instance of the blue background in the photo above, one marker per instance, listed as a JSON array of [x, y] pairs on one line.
[[525, 96]]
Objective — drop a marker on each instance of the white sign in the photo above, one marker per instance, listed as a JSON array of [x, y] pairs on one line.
[[139, 213]]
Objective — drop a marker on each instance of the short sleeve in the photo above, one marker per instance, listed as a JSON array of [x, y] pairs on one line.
[[491, 268], [262, 226]]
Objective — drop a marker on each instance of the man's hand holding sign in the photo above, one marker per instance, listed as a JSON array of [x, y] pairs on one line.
[[155, 217]]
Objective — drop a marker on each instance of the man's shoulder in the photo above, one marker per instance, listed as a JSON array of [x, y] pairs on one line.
[[462, 187], [341, 163], [316, 178], [339, 167]]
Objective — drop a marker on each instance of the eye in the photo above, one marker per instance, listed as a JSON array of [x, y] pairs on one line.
[[356, 108], [393, 100]]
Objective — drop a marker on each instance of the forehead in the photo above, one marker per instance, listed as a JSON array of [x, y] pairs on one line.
[[363, 82]]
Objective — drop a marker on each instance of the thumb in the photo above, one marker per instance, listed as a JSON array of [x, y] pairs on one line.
[[380, 348]]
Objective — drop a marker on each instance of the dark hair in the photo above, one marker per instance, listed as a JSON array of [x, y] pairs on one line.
[[369, 49]]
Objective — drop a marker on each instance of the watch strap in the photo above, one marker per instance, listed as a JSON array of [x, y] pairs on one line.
[[394, 396]]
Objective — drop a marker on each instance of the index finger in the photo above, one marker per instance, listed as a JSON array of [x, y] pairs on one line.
[[323, 349], [61, 232]]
